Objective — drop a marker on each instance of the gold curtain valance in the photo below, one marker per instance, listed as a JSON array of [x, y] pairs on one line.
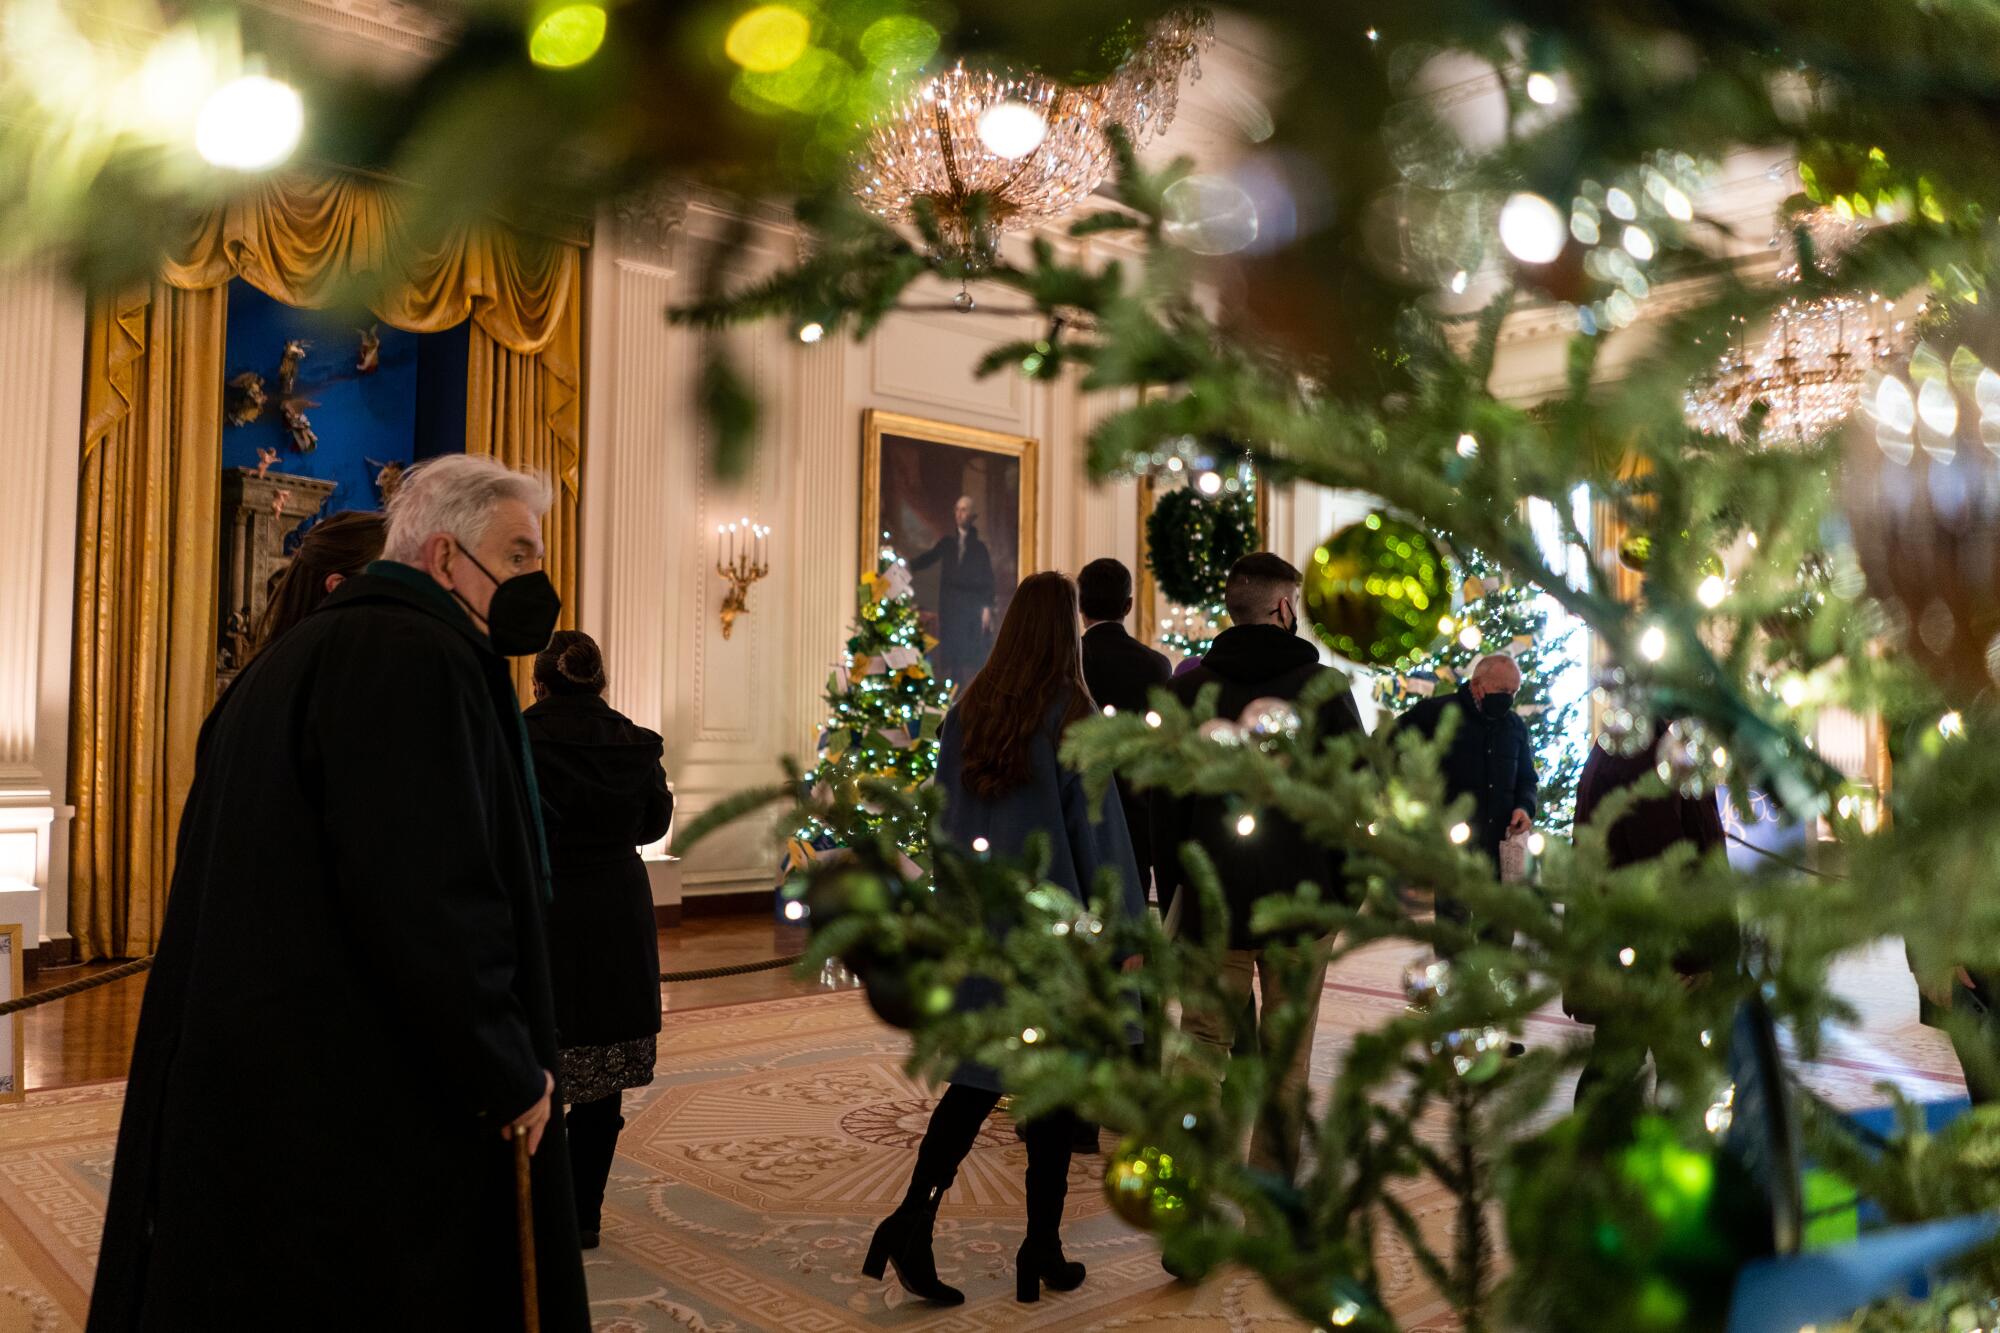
[[146, 608], [310, 240]]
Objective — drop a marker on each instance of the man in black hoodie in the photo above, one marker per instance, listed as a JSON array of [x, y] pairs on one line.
[[1259, 656]]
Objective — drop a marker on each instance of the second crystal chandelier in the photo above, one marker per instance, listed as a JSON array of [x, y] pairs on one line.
[[1807, 371]]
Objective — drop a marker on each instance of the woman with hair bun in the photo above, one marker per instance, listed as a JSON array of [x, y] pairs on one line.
[[604, 795]]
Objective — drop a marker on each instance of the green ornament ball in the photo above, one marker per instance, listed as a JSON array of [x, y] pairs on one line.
[[1376, 591], [1635, 552], [1147, 1186]]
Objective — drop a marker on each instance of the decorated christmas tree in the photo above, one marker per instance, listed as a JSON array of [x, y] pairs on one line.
[[884, 709], [1499, 616]]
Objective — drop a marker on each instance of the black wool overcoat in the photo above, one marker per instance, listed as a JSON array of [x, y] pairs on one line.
[[349, 1001], [604, 795]]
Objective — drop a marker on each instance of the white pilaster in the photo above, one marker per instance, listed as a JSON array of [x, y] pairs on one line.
[[41, 367]]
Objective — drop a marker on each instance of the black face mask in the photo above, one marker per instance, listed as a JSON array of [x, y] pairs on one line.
[[1291, 626], [1497, 703], [523, 612]]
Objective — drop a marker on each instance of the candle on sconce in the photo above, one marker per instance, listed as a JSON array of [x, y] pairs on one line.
[[741, 564]]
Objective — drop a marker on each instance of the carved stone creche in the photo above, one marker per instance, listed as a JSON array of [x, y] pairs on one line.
[[258, 511]]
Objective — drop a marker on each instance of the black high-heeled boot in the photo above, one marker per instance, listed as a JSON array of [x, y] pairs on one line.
[[904, 1239], [1040, 1261]]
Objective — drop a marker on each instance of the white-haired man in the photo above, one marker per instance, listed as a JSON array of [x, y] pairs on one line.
[[349, 1014], [1491, 757]]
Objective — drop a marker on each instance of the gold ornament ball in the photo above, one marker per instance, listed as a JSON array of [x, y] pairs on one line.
[[1376, 591], [1146, 1186]]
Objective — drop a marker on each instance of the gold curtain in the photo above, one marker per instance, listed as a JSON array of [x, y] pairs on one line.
[[145, 627], [151, 480], [523, 410]]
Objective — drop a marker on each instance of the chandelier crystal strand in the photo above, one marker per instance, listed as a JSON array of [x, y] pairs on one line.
[[928, 148], [1808, 370]]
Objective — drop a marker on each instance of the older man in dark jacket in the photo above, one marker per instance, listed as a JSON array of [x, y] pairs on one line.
[[349, 1013], [1491, 757], [1259, 656]]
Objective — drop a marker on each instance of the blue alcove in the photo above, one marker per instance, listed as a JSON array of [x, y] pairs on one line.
[[412, 406]]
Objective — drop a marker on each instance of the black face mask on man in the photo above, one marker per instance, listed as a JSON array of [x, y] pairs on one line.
[[523, 612], [1497, 703]]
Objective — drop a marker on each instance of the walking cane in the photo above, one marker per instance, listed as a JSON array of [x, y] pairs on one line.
[[524, 1211]]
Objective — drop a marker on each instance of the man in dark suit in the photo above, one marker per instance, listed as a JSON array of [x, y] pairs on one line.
[[965, 596], [1259, 656], [1119, 670]]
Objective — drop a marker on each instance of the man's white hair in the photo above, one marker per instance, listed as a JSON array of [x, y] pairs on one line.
[[1491, 658], [455, 494]]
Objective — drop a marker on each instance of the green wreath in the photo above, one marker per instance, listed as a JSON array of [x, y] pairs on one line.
[[1192, 539]]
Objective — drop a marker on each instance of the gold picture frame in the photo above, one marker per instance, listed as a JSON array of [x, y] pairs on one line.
[[876, 424], [922, 478], [1146, 594], [13, 1043]]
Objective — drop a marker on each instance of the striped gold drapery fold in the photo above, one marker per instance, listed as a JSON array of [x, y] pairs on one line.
[[150, 483], [524, 411], [144, 669]]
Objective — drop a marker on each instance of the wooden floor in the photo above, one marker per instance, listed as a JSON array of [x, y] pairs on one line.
[[87, 1038]]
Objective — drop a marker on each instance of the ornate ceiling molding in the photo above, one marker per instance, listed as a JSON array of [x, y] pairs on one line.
[[393, 25]]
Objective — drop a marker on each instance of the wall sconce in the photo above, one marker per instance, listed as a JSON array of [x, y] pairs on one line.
[[742, 557]]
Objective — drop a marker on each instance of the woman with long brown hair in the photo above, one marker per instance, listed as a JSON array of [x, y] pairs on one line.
[[997, 762], [334, 550]]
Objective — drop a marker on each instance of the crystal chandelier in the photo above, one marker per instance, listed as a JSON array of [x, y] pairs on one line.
[[1808, 370], [994, 150]]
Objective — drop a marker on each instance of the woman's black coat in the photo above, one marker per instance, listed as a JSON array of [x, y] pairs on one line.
[[604, 795], [350, 1000]]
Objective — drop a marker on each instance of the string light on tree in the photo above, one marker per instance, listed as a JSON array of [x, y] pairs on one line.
[[568, 35], [1531, 228]]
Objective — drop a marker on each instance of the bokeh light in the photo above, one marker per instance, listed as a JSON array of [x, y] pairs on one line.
[[1209, 215], [899, 42], [567, 36], [250, 123], [1531, 228], [769, 38], [814, 82]]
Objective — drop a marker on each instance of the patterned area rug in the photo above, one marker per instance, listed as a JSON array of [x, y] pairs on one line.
[[776, 1134]]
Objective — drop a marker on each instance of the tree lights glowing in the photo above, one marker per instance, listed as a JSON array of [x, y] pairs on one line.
[[567, 36]]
